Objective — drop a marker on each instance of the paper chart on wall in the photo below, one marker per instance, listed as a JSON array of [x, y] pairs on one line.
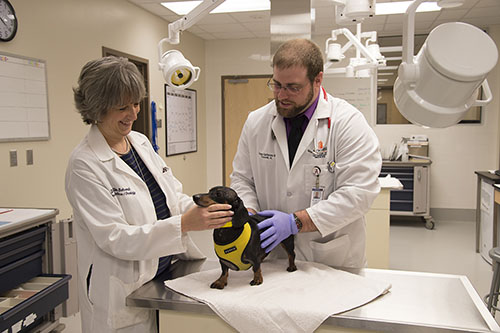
[[23, 99], [180, 106]]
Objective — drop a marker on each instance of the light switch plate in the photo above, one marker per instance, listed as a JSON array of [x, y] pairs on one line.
[[29, 157], [13, 158]]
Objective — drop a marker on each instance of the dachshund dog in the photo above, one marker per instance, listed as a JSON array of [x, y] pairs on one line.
[[237, 243]]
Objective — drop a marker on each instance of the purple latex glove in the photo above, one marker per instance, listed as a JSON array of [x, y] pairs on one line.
[[280, 225]]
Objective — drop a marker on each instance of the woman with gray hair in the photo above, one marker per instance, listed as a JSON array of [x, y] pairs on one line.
[[130, 213]]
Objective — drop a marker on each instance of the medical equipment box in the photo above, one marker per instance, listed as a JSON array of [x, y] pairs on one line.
[[418, 148]]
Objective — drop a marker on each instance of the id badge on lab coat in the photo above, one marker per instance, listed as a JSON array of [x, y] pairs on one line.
[[317, 195]]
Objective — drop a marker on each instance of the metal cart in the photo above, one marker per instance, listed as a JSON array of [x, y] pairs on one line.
[[414, 198]]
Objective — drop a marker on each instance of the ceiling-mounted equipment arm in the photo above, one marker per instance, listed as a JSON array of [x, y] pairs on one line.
[[190, 18], [178, 71], [185, 22]]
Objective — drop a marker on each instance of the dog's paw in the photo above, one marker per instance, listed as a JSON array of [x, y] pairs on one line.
[[218, 285], [255, 282], [292, 268]]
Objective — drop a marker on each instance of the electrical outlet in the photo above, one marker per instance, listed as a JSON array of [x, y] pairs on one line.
[[13, 158], [29, 157]]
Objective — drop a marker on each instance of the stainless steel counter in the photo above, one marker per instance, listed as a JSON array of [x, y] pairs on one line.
[[417, 302]]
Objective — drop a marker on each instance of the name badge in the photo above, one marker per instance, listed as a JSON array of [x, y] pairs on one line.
[[317, 195], [317, 191]]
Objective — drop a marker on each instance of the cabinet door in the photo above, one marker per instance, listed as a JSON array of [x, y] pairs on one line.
[[420, 179]]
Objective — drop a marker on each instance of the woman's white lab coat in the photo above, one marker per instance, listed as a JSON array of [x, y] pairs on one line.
[[119, 238], [340, 142]]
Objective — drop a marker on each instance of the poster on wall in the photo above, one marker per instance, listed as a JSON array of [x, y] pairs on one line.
[[181, 130], [24, 111]]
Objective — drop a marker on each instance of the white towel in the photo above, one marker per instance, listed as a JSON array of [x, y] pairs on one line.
[[285, 302]]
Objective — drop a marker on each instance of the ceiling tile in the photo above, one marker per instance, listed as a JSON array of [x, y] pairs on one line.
[[217, 19], [483, 22], [487, 3], [156, 9], [206, 36], [484, 12], [257, 16], [257, 27], [233, 35], [232, 27], [452, 14]]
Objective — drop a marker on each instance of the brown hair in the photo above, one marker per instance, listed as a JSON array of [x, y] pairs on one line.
[[300, 52], [105, 83]]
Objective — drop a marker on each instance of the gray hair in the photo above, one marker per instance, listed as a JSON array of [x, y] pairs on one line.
[[105, 83], [300, 52]]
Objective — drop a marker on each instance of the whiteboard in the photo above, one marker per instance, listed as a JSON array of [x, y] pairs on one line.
[[180, 106], [360, 92], [24, 111]]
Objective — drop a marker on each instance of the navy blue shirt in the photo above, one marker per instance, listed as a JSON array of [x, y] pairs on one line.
[[135, 162]]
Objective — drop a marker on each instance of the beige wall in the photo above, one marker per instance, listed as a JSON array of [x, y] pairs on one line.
[[456, 152], [67, 34]]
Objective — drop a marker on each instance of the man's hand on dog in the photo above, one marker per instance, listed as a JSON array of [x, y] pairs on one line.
[[201, 218], [279, 227]]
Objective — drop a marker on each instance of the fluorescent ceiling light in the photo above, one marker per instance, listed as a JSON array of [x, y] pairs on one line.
[[388, 8], [232, 6], [228, 6]]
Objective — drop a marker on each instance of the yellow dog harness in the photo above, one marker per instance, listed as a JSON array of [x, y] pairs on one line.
[[231, 254]]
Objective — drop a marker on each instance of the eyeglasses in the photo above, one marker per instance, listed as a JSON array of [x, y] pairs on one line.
[[290, 89]]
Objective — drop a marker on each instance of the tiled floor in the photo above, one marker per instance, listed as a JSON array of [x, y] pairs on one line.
[[449, 248]]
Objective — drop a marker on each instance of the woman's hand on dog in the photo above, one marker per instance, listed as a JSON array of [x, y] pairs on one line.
[[202, 218]]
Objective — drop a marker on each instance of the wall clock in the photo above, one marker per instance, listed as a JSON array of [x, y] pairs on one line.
[[8, 21]]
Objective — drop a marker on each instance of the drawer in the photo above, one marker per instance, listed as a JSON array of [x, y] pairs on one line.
[[20, 271], [20, 245], [402, 206], [23, 307], [406, 195], [407, 183]]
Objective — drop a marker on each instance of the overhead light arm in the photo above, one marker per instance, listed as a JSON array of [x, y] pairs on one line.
[[177, 70], [371, 55], [189, 19]]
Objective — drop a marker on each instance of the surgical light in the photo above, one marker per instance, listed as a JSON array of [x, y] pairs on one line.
[[353, 11], [177, 71], [367, 57], [437, 87]]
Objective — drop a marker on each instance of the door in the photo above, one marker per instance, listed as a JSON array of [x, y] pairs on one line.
[[240, 95]]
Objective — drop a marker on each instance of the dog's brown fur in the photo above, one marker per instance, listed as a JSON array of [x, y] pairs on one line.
[[253, 253]]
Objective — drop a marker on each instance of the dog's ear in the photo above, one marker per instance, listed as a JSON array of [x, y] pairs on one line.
[[240, 216]]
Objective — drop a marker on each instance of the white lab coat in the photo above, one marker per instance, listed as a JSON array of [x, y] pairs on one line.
[[119, 238], [263, 179]]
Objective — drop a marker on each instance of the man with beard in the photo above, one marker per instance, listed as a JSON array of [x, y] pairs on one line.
[[310, 162]]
